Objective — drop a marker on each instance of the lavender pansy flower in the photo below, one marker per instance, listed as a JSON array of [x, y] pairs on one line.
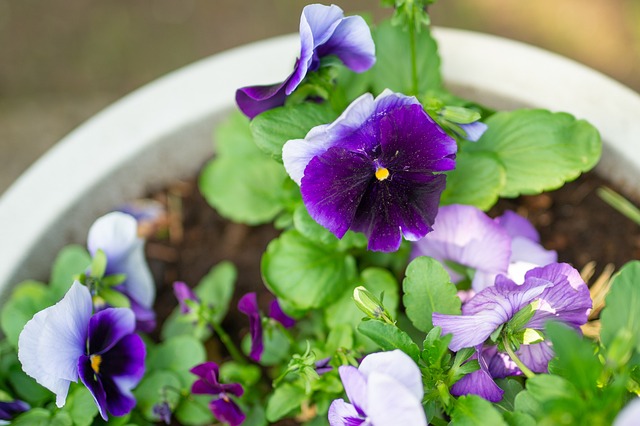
[[10, 409], [248, 305], [376, 169], [116, 235], [324, 31], [385, 390], [65, 342], [473, 131], [222, 407], [466, 236]]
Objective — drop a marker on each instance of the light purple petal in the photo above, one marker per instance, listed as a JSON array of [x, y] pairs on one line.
[[51, 342], [344, 414], [115, 234], [248, 305], [355, 385], [183, 293], [396, 364], [139, 284], [467, 236], [500, 364], [629, 415], [536, 356], [523, 249], [227, 411], [107, 327], [479, 383], [469, 330], [351, 42], [517, 226], [473, 131], [391, 403]]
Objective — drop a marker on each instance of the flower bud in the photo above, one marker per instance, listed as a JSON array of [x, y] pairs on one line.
[[370, 305]]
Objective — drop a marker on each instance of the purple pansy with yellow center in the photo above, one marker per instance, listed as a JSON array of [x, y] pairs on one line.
[[222, 407], [376, 169], [465, 236], [248, 305], [116, 234], [385, 390], [554, 292], [65, 342], [324, 31]]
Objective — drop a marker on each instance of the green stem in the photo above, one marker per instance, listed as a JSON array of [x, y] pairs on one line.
[[414, 62], [525, 370], [228, 343]]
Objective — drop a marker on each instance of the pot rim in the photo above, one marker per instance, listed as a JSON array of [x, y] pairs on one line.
[[102, 162]]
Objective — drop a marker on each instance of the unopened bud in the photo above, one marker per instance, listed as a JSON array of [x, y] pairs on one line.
[[371, 305]]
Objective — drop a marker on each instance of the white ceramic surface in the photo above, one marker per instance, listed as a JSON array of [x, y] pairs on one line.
[[162, 132]]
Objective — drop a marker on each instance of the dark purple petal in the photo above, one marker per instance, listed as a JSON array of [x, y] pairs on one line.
[[277, 314], [108, 326], [10, 409], [92, 381], [183, 293], [323, 366], [145, 317], [226, 410], [248, 305], [478, 383], [163, 412], [208, 371], [499, 363], [209, 384], [254, 100], [536, 356], [333, 186], [125, 359]]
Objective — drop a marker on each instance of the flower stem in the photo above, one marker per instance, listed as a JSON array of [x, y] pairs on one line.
[[525, 370], [228, 343]]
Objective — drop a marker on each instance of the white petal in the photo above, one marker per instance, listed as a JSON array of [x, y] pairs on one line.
[[339, 411], [139, 284], [51, 342], [630, 414], [355, 385], [114, 233], [392, 404], [395, 364]]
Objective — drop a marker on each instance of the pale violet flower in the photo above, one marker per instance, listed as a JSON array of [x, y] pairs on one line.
[[324, 31], [377, 169], [629, 415], [464, 237], [65, 342], [385, 390], [116, 234]]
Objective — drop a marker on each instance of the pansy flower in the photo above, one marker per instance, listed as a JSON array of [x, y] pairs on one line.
[[184, 293], [248, 305], [465, 237], [222, 407], [65, 342], [554, 292], [116, 235], [385, 390], [376, 169], [11, 409], [324, 31]]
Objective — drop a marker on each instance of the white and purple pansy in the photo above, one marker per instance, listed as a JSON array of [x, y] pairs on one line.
[[65, 342], [465, 236], [116, 234], [385, 390], [377, 169], [324, 31]]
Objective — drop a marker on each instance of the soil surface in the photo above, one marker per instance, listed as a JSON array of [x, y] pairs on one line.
[[572, 220]]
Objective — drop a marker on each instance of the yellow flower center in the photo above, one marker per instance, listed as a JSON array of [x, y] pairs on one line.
[[96, 360], [382, 173]]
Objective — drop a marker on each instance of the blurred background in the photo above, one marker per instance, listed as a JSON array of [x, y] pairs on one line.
[[63, 61]]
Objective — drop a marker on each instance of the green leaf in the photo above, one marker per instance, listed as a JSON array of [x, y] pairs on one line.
[[71, 261], [178, 354], [284, 400], [28, 298], [477, 180], [273, 128], [393, 61], [621, 313], [575, 358], [33, 417], [339, 337], [518, 419], [428, 289], [389, 337], [80, 406], [241, 182], [552, 399], [539, 150], [511, 388], [194, 411], [306, 274], [151, 391], [471, 410], [27, 389], [216, 288]]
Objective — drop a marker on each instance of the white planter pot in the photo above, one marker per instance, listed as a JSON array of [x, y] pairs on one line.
[[162, 132]]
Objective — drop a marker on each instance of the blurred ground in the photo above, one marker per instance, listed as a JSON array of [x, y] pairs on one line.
[[63, 61]]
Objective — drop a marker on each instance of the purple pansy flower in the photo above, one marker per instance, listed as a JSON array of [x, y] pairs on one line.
[[385, 390], [559, 293], [183, 293], [10, 409], [222, 407], [466, 236], [116, 235], [324, 31], [376, 169], [248, 305], [65, 342]]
